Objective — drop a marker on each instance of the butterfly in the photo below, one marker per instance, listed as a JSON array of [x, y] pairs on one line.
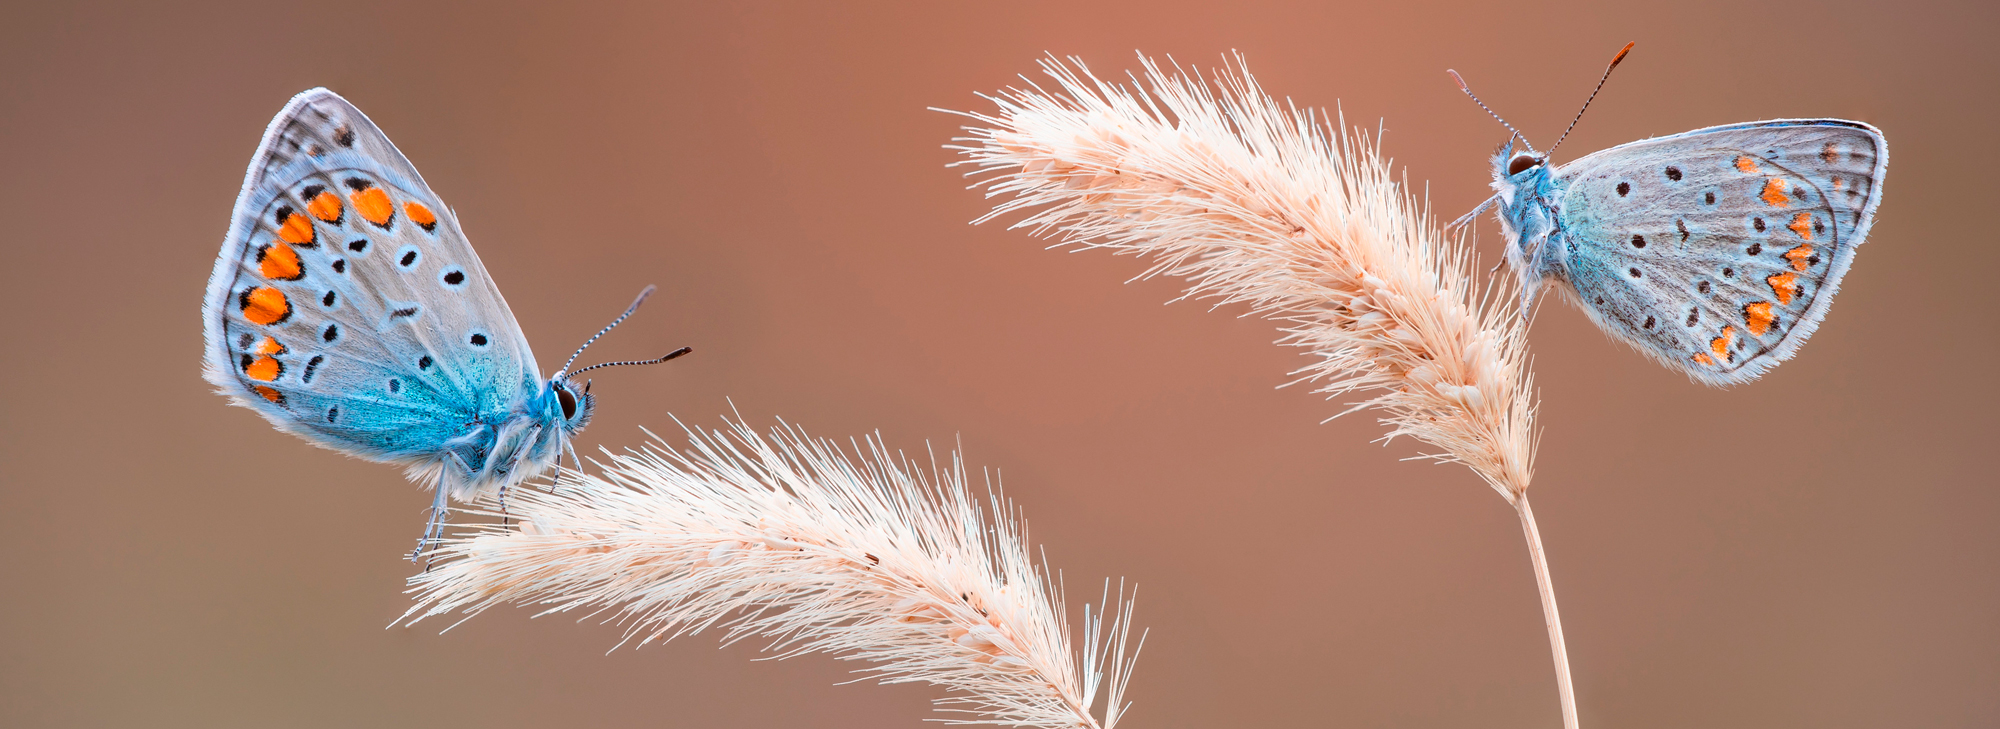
[[1717, 251], [347, 308]]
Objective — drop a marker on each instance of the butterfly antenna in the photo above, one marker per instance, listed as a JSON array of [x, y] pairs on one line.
[[1489, 110], [614, 322], [670, 355], [1593, 93]]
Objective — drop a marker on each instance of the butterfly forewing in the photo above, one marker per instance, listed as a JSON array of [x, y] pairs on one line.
[[1730, 241], [347, 304]]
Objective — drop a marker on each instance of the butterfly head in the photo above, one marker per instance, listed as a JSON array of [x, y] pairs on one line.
[[1518, 163], [570, 405]]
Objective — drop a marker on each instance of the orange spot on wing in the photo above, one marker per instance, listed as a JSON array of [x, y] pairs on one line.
[[1720, 345], [270, 393], [264, 368], [1774, 193], [1746, 163], [1838, 184], [325, 206], [1829, 153], [269, 346], [1703, 359], [420, 215], [1799, 255], [1802, 225], [296, 230], [1785, 285], [278, 261], [1758, 317], [373, 204], [265, 305]]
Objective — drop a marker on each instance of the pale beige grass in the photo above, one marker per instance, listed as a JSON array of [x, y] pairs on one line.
[[1284, 210], [864, 555]]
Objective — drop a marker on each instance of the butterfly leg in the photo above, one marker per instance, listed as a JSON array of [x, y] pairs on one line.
[[573, 457], [434, 529], [1467, 218], [1529, 292]]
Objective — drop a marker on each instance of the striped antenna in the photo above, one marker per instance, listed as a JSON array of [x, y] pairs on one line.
[[670, 355], [562, 374], [1489, 110], [1593, 93]]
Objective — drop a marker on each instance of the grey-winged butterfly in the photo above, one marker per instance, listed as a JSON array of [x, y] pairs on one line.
[[1715, 251], [347, 308]]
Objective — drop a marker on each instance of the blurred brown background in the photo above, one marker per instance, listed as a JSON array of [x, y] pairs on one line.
[[1817, 549]]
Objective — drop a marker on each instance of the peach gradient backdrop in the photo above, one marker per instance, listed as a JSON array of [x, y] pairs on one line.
[[1818, 549]]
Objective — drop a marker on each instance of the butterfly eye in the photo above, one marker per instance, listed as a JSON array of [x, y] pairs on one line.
[[1522, 163], [568, 402]]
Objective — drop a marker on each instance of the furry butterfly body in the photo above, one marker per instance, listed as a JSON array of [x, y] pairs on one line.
[[348, 308], [1715, 251]]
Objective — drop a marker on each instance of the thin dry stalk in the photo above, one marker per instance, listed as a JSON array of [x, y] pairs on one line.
[[868, 557], [1278, 208]]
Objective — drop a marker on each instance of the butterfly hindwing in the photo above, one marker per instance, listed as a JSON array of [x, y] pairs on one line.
[[1718, 251], [347, 306]]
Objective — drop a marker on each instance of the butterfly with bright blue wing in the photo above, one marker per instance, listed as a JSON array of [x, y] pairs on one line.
[[347, 308], [1715, 251]]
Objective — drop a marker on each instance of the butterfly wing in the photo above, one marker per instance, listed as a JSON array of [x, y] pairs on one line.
[[346, 305], [1719, 250]]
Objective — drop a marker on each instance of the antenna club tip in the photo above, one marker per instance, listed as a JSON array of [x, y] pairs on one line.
[[1460, 80], [1622, 52]]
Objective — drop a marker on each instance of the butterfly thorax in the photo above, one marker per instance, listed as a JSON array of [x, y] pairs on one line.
[[502, 449], [1529, 218]]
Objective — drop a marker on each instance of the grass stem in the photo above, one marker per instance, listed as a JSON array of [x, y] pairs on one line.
[[1549, 615]]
